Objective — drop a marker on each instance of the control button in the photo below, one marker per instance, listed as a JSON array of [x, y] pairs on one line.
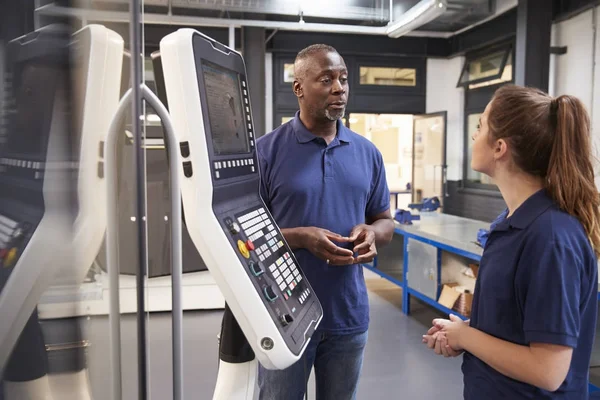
[[185, 149], [286, 319], [3, 253], [255, 268], [10, 257], [270, 293], [243, 249], [187, 169], [289, 292], [17, 234], [234, 228], [101, 149], [250, 245]]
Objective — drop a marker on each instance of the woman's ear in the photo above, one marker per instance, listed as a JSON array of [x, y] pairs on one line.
[[500, 149]]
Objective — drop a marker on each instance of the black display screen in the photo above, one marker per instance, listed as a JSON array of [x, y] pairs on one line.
[[225, 110]]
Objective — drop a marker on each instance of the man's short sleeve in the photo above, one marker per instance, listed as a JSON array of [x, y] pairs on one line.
[[379, 199], [548, 287]]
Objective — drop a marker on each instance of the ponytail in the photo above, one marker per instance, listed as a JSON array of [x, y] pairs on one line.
[[570, 175]]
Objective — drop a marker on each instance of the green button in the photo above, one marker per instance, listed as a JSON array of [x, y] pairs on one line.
[[289, 292]]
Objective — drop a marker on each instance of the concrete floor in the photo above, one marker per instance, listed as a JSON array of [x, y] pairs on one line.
[[395, 361]]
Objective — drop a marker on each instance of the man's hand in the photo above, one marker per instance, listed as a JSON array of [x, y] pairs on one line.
[[363, 238], [320, 242]]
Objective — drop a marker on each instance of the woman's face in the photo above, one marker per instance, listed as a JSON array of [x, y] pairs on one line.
[[482, 159]]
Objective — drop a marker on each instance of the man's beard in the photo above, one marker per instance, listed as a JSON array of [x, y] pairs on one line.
[[335, 114]]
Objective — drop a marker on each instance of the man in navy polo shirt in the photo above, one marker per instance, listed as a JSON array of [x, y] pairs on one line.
[[326, 188]]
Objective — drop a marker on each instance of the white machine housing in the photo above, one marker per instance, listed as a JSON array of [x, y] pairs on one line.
[[245, 295], [61, 250], [102, 82]]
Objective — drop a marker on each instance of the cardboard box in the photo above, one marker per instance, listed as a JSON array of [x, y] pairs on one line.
[[456, 298]]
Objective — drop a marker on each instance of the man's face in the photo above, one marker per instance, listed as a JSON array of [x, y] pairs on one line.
[[323, 86]]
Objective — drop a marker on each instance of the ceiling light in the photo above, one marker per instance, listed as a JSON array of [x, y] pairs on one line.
[[420, 14]]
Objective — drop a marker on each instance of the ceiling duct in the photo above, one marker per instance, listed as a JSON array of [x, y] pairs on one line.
[[410, 17], [418, 15], [356, 10]]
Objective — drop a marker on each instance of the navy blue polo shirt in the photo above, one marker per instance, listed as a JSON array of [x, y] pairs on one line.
[[537, 283], [305, 182]]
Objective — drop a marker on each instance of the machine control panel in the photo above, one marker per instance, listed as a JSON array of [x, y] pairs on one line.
[[205, 87], [274, 271]]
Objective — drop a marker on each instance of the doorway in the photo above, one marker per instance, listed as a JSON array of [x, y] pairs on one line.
[[392, 134]]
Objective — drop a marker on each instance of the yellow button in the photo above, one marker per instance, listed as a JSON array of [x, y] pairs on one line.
[[10, 258], [243, 249]]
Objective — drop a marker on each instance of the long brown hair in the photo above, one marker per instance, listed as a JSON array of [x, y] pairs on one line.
[[550, 138]]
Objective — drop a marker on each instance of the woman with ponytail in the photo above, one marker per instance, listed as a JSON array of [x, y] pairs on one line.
[[535, 303]]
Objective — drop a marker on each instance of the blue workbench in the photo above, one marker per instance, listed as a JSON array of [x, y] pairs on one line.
[[442, 233]]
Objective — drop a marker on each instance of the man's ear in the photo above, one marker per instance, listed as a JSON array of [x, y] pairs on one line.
[[297, 87]]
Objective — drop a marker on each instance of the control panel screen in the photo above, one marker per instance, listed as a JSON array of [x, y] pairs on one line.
[[225, 112]]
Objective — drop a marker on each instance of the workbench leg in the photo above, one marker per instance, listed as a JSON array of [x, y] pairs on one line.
[[439, 274], [405, 294]]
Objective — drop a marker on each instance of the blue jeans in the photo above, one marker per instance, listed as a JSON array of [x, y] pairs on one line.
[[337, 360]]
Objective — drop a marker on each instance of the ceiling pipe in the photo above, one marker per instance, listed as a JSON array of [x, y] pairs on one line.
[[182, 20], [418, 15]]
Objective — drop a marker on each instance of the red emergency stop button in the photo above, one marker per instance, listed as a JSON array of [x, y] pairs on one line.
[[250, 245]]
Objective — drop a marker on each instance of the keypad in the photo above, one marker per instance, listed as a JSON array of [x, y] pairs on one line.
[[233, 168], [260, 230], [256, 225], [286, 274], [8, 229]]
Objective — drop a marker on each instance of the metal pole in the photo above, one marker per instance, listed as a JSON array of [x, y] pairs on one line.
[[112, 243], [135, 40], [176, 238], [112, 246]]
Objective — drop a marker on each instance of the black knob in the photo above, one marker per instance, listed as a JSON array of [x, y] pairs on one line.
[[234, 228], [286, 319], [255, 268], [187, 169], [270, 293], [185, 149]]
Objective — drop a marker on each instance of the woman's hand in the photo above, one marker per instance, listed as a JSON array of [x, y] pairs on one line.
[[452, 330], [436, 338]]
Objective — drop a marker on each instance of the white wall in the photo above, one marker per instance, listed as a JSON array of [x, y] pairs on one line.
[[574, 73], [443, 95]]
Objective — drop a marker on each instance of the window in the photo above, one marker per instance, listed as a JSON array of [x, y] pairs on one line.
[[481, 76], [385, 76], [474, 176], [288, 73], [489, 69]]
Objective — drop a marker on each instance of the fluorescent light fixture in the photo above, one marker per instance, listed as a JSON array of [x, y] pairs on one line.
[[420, 14]]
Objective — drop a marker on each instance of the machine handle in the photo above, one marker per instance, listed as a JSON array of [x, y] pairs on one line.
[[112, 243], [176, 239]]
